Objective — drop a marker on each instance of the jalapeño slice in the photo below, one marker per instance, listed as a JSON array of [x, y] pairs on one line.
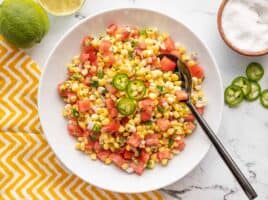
[[264, 98], [243, 83], [254, 91], [233, 95], [126, 106], [136, 89], [120, 81], [254, 71]]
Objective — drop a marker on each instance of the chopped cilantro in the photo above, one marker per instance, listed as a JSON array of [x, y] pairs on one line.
[[149, 122], [170, 142], [94, 83], [96, 128], [160, 109], [100, 74], [75, 113]]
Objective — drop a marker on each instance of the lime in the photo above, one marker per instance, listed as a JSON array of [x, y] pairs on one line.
[[23, 23], [61, 7]]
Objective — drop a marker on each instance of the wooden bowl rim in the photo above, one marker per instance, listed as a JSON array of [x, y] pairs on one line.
[[223, 36]]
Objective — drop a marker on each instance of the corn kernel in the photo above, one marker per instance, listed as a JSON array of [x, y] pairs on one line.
[[93, 156], [105, 121], [191, 63], [105, 146], [124, 166], [77, 146], [108, 161]]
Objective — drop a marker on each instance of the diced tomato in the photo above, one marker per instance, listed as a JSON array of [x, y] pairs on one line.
[[124, 121], [181, 95], [191, 126], [142, 45], [189, 118], [128, 155], [138, 168], [152, 139], [125, 35], [70, 96], [111, 127], [111, 89], [111, 107], [105, 46], [163, 155], [108, 59], [97, 147], [197, 71], [83, 105], [103, 155], [175, 53], [111, 29], [84, 57], [147, 105], [93, 69], [134, 140], [109, 103], [180, 144], [167, 65], [87, 133], [113, 113], [87, 79], [117, 159], [169, 44], [90, 145], [75, 130], [134, 33], [86, 44], [201, 110], [62, 93], [163, 124], [92, 57], [145, 116], [144, 157], [88, 49]]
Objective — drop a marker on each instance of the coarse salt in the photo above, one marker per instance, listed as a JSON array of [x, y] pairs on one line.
[[245, 24]]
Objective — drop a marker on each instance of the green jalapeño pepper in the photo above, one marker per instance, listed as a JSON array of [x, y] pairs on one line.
[[254, 92], [243, 83], [233, 95], [264, 98], [120, 81], [254, 71], [136, 89], [126, 106]]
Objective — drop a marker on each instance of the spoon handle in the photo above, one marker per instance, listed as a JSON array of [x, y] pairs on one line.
[[246, 186]]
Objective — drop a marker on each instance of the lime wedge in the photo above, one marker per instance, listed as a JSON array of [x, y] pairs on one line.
[[61, 7]]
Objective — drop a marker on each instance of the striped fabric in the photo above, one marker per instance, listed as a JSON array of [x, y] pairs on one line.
[[28, 167]]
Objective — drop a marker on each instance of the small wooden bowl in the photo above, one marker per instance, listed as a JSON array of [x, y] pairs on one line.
[[220, 29]]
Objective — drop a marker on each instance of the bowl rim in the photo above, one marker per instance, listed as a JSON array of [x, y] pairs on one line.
[[227, 41], [100, 12]]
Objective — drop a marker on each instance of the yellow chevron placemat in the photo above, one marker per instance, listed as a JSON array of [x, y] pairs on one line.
[[28, 167]]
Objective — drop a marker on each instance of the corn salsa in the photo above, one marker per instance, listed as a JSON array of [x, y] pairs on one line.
[[125, 105]]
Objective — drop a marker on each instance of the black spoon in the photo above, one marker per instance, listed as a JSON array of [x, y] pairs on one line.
[[186, 77]]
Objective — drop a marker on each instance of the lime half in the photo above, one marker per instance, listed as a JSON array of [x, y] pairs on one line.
[[61, 7]]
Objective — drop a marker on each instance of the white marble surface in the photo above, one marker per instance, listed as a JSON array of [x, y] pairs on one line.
[[244, 130]]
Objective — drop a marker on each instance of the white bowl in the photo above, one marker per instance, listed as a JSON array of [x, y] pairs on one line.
[[54, 125]]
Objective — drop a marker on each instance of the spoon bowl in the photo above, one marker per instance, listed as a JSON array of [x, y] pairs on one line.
[[182, 71]]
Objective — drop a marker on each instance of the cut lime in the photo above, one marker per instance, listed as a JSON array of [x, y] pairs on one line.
[[61, 7]]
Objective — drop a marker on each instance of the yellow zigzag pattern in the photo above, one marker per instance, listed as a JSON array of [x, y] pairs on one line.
[[29, 170], [19, 81], [28, 167]]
